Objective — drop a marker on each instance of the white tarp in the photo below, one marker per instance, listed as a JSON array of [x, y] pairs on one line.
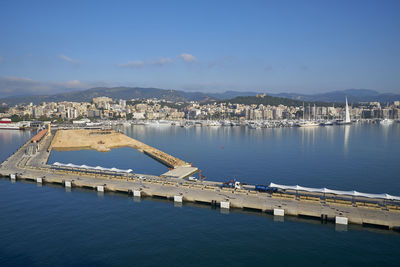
[[336, 192], [93, 168]]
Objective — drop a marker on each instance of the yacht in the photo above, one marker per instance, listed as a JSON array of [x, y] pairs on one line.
[[6, 123], [386, 121], [254, 126], [327, 123], [308, 124]]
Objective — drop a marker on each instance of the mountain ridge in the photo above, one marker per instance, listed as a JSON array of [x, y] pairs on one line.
[[122, 92]]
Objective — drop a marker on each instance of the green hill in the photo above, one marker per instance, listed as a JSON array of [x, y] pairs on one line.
[[273, 101]]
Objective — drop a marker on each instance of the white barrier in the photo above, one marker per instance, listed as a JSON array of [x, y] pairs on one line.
[[39, 180], [279, 212], [341, 220], [225, 205], [13, 177], [137, 193], [100, 188], [177, 198], [68, 184]]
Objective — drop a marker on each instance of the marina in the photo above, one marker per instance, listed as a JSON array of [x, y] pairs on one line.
[[195, 133], [30, 162]]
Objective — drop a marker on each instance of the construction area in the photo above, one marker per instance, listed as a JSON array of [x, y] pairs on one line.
[[29, 162], [104, 140]]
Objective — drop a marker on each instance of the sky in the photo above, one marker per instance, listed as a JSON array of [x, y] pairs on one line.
[[207, 46]]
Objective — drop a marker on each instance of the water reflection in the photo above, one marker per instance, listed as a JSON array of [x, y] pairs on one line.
[[178, 204], [346, 137], [224, 211], [308, 135], [386, 130], [341, 227]]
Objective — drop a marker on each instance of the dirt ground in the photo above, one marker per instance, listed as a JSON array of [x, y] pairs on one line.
[[104, 140]]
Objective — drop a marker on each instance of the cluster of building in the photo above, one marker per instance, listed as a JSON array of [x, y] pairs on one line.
[[154, 109], [99, 108]]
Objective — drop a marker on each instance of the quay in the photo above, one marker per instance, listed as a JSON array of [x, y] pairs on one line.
[[29, 162]]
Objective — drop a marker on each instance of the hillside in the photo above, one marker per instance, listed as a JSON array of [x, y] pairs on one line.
[[115, 93], [123, 93], [353, 96], [274, 101]]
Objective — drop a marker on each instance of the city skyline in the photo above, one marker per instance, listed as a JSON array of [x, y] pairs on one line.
[[302, 47]]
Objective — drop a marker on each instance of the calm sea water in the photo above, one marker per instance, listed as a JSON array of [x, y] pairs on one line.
[[47, 225]]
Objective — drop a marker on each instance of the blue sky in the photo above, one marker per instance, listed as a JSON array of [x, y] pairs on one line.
[[266, 46]]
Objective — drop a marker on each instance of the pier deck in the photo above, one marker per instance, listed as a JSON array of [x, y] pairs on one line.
[[31, 167]]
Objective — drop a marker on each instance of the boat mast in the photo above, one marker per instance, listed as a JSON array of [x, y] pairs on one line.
[[315, 113]]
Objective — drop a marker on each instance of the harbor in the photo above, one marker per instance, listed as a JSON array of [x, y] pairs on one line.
[[30, 162]]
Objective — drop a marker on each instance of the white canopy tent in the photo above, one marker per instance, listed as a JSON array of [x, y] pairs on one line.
[[89, 167], [336, 192]]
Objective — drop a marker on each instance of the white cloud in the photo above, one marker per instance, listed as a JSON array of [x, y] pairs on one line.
[[70, 84], [21, 86], [68, 59], [16, 79], [188, 57], [158, 62], [141, 63]]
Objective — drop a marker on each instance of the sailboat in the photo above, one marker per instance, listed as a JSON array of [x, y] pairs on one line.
[[347, 119], [308, 123]]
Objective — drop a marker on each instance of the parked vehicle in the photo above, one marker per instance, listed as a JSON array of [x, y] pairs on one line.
[[265, 188], [232, 184]]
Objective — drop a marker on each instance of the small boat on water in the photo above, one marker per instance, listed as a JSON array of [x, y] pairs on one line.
[[308, 124], [386, 121], [327, 123]]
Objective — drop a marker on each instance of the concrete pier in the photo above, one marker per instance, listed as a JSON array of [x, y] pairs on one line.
[[279, 212], [341, 220], [178, 199], [225, 205], [23, 166], [100, 188]]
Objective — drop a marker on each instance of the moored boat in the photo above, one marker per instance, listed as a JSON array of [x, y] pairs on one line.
[[6, 123]]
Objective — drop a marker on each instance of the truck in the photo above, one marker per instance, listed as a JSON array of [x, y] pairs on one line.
[[265, 188], [232, 184]]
